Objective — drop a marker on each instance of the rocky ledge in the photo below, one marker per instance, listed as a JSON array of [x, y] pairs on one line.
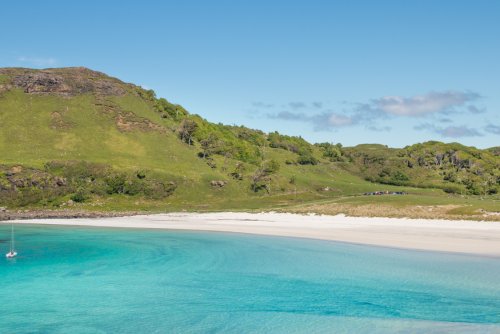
[[68, 81]]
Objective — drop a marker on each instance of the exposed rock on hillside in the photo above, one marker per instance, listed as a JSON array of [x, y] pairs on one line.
[[218, 183], [63, 81]]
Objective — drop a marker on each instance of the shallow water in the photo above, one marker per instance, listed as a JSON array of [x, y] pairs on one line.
[[102, 280]]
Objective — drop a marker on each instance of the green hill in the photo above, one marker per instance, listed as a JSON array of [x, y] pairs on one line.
[[73, 136], [453, 167]]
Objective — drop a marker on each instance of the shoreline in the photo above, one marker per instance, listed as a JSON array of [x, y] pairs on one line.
[[9, 215], [460, 236]]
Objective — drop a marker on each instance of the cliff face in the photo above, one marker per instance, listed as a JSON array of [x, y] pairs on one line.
[[69, 81]]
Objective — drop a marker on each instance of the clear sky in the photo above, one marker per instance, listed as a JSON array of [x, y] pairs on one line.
[[390, 72]]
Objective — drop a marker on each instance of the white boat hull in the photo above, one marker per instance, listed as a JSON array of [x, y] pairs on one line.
[[11, 254]]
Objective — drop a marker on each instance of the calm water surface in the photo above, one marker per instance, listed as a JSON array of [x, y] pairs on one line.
[[101, 280]]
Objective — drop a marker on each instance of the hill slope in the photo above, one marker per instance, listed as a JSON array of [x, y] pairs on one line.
[[88, 129], [452, 167], [73, 135]]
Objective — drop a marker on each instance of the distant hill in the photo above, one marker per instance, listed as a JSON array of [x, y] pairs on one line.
[[453, 167], [73, 135], [495, 150]]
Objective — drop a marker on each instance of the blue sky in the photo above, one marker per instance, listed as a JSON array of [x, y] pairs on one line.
[[390, 72]]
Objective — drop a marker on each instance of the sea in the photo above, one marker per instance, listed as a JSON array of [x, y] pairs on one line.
[[69, 279]]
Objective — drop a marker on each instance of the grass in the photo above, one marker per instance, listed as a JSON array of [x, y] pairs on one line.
[[423, 203], [4, 79], [127, 133], [86, 132]]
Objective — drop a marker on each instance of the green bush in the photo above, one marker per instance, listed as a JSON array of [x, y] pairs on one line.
[[115, 184], [492, 191], [270, 167], [159, 189], [331, 151], [307, 159], [133, 187], [79, 197], [452, 190], [400, 176], [290, 143]]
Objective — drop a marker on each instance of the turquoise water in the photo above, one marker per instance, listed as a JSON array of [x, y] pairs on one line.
[[101, 280]]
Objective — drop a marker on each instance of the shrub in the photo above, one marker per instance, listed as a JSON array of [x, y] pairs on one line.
[[79, 197], [307, 159], [262, 175], [331, 151], [168, 109], [492, 191], [115, 184], [400, 176], [159, 189], [237, 173], [270, 167], [290, 143], [451, 190], [186, 130], [133, 187]]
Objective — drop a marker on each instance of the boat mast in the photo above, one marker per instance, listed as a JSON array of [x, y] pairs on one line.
[[12, 238]]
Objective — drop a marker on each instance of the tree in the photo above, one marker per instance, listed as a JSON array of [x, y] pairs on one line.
[[237, 173], [331, 151], [209, 145], [147, 94], [186, 130], [261, 179]]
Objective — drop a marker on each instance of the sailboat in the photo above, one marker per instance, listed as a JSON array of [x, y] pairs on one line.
[[12, 253]]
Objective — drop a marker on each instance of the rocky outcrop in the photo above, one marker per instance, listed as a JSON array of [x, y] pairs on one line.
[[18, 177], [62, 81], [218, 183], [41, 83]]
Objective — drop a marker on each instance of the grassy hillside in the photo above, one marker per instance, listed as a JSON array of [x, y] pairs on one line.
[[76, 137], [455, 168]]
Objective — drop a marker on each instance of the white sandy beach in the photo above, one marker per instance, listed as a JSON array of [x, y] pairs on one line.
[[479, 238]]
